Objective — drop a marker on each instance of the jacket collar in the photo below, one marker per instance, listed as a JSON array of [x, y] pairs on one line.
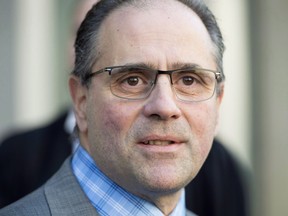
[[64, 195]]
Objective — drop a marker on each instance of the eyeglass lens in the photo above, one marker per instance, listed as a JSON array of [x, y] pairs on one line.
[[190, 84]]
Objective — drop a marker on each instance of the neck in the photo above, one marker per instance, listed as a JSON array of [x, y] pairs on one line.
[[166, 203]]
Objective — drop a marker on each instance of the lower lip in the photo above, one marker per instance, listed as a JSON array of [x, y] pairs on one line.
[[165, 148]]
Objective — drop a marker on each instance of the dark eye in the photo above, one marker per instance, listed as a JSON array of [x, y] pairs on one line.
[[133, 81], [188, 80]]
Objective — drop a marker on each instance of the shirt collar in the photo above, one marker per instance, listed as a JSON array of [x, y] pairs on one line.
[[109, 198]]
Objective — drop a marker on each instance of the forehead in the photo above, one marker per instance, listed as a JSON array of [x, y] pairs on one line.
[[167, 30]]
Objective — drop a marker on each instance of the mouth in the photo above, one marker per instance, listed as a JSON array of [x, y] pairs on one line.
[[161, 145], [159, 142]]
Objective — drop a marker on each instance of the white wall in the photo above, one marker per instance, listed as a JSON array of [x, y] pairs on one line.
[[30, 81], [235, 122], [270, 114], [6, 64], [35, 72]]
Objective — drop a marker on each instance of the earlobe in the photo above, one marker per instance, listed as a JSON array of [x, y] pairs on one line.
[[220, 94], [78, 94]]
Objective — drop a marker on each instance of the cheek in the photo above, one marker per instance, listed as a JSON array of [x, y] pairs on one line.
[[105, 128], [202, 119], [112, 118]]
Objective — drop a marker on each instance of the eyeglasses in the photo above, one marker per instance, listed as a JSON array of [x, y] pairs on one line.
[[134, 83]]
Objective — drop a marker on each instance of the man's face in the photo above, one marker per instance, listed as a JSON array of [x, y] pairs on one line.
[[158, 144]]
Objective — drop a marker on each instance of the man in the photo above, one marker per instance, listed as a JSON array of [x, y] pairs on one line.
[[146, 126]]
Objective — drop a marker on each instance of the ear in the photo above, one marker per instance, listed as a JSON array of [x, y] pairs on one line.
[[220, 94], [79, 94], [219, 99]]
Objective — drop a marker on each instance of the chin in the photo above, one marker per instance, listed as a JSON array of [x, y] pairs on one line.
[[165, 182]]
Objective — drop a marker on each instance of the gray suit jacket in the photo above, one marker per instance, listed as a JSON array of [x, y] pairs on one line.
[[60, 196]]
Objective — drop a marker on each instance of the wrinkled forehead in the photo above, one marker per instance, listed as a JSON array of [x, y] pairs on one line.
[[140, 17], [164, 26]]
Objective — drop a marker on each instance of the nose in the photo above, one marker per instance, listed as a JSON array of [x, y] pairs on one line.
[[161, 102]]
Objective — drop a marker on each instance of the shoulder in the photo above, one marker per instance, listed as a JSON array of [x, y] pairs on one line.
[[60, 195], [37, 203], [33, 205], [64, 194]]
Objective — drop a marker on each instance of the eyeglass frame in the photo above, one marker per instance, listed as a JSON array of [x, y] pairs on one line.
[[219, 77]]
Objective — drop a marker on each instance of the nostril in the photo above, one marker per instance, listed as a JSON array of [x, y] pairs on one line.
[[163, 114], [155, 117]]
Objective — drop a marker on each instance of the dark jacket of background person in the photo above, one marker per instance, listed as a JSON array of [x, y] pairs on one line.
[[29, 159]]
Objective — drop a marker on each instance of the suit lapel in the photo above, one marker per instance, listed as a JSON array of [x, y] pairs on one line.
[[64, 195]]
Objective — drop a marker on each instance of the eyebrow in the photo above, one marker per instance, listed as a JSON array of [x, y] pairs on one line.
[[178, 65], [141, 65]]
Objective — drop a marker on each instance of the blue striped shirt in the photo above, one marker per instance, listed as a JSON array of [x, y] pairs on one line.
[[109, 198]]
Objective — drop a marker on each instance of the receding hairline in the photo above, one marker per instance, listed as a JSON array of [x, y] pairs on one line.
[[143, 5]]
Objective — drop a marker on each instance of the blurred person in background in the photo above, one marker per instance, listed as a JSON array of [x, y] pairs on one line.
[[28, 159]]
